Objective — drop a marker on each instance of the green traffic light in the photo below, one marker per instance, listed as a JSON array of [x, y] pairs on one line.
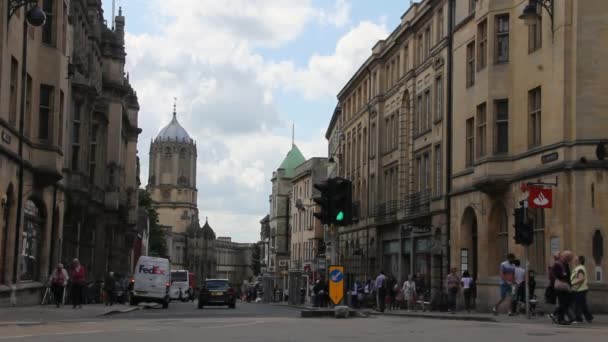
[[340, 216]]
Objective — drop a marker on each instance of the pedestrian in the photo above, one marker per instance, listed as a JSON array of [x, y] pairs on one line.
[[396, 295], [563, 288], [390, 293], [468, 287], [324, 293], [380, 286], [580, 287], [421, 289], [409, 293], [58, 280], [109, 288], [519, 278], [78, 282], [453, 285], [355, 294], [507, 278], [367, 292]]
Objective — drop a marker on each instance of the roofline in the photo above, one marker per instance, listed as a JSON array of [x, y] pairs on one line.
[[334, 119]]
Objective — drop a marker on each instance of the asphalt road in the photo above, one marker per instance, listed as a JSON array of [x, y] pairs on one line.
[[262, 322]]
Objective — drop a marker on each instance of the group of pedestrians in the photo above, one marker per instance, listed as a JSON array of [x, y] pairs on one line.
[[59, 280], [321, 293], [568, 289]]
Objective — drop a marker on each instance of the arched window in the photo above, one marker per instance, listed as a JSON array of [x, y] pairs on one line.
[[536, 218], [32, 242], [166, 163], [598, 252]]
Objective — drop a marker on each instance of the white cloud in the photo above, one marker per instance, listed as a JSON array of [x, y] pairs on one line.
[[325, 75], [205, 54]]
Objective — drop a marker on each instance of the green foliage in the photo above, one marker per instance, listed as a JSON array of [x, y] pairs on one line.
[[157, 242]]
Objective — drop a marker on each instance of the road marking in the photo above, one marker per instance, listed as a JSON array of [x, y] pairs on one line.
[[235, 325], [53, 334]]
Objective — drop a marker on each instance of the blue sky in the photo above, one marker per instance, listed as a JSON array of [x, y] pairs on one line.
[[244, 71]]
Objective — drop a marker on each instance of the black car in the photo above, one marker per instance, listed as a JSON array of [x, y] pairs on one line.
[[217, 292]]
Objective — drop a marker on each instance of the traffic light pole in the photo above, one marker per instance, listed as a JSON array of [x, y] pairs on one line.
[[527, 267]]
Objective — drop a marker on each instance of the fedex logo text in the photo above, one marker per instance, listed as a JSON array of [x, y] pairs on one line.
[[151, 270]]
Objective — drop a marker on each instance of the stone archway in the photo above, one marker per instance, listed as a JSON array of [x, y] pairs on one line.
[[469, 252]]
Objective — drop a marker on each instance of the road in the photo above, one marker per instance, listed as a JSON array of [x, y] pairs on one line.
[[262, 322]]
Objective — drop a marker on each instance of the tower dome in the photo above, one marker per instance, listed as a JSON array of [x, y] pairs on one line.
[[174, 131]]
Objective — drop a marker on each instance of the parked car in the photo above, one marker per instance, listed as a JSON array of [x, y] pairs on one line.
[[217, 292]]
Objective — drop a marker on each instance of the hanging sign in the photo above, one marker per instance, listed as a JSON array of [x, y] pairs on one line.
[[540, 197]]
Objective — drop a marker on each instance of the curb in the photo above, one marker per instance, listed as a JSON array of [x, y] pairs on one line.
[[443, 317]]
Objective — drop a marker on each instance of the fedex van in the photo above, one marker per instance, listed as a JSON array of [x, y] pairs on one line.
[[152, 281]]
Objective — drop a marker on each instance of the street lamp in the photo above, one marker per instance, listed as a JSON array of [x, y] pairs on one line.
[[530, 14], [36, 17]]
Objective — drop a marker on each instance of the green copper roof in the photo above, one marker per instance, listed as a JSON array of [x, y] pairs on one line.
[[293, 159]]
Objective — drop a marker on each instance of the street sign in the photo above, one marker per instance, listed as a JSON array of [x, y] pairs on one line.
[[336, 283]]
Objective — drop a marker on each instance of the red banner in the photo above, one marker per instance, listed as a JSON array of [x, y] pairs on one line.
[[540, 197]]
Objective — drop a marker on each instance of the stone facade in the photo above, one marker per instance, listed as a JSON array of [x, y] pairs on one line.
[[307, 232], [79, 198], [172, 186], [388, 135], [234, 260], [530, 106]]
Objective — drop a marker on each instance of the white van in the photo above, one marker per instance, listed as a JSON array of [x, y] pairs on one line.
[[152, 280], [180, 285]]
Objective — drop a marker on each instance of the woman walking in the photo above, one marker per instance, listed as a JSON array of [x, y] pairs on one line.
[[467, 289], [563, 286], [580, 287], [409, 293], [78, 282], [453, 285], [58, 281]]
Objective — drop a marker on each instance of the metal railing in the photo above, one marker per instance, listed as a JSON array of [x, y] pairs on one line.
[[386, 212], [417, 203]]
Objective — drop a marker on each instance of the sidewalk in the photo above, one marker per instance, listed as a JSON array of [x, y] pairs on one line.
[[600, 320], [40, 314]]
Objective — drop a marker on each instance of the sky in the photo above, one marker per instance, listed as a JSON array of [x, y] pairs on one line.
[[244, 72]]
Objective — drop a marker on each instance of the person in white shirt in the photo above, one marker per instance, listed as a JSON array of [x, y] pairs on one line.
[[409, 292], [468, 289], [520, 278]]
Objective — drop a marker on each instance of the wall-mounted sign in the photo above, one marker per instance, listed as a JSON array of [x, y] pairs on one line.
[[6, 137], [540, 197], [548, 158]]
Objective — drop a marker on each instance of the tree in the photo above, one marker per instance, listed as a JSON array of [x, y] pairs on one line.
[[256, 264], [157, 242]]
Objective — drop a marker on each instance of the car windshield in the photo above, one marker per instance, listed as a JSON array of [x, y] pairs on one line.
[[217, 285], [179, 276]]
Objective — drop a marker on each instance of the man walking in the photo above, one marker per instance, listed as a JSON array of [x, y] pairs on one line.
[[520, 292], [109, 287], [580, 288], [78, 283], [380, 286], [507, 275]]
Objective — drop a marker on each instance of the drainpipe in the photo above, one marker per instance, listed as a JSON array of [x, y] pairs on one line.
[[451, 6]]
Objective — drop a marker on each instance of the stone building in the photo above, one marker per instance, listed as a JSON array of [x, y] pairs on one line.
[[172, 186], [201, 251], [100, 165], [79, 199], [307, 233], [234, 261], [530, 106], [264, 244], [280, 213], [388, 136]]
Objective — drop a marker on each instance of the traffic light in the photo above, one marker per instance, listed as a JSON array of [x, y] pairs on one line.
[[524, 234], [324, 201], [342, 206]]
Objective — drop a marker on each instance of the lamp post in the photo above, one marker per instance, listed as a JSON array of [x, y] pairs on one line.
[[530, 14], [33, 16]]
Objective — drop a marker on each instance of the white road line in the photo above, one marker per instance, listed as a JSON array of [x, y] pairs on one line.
[[53, 334]]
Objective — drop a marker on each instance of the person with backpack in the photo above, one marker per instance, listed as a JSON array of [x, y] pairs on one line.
[[58, 281]]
